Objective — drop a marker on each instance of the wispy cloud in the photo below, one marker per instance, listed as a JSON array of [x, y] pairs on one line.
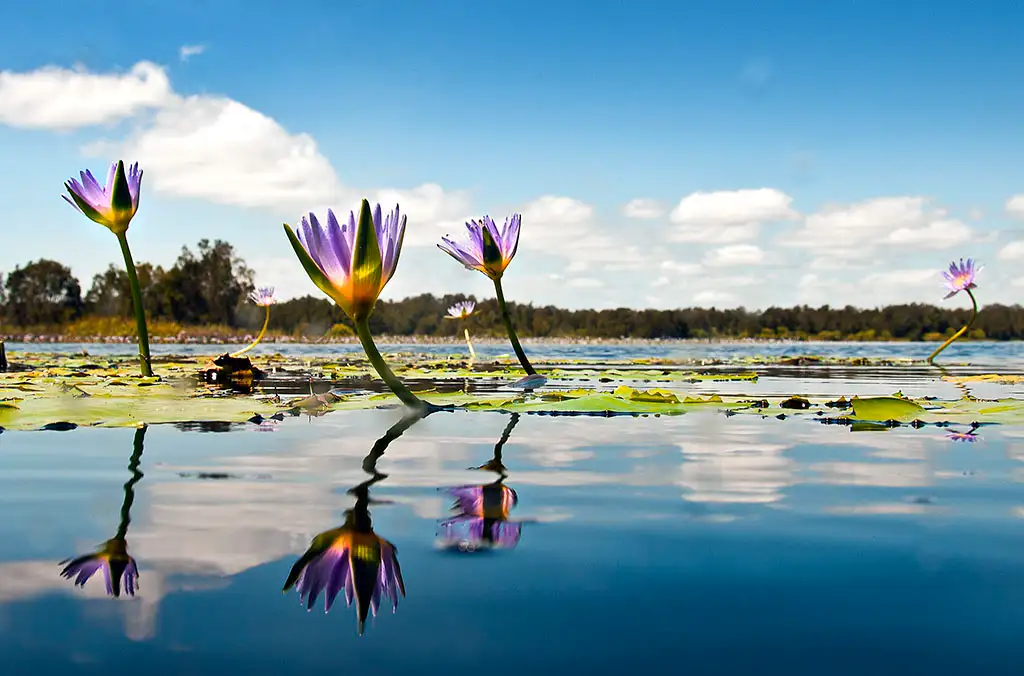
[[186, 52]]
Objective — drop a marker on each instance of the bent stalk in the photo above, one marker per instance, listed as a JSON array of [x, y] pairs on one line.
[[949, 341], [507, 318], [383, 370], [472, 352], [140, 311], [266, 322]]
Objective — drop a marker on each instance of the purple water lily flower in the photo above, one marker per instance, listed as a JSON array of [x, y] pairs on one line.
[[963, 437], [113, 559], [263, 296], [358, 561], [352, 261], [462, 309], [487, 249], [112, 204], [482, 520], [961, 277]]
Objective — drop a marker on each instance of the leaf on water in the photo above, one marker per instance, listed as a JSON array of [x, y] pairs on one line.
[[881, 409]]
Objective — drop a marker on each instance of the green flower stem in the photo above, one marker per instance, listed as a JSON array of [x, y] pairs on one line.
[[472, 352], [251, 345], [140, 311], [507, 318], [949, 341], [385, 373], [129, 487]]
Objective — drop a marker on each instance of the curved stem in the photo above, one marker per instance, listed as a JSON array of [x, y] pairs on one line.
[[472, 352], [129, 487], [140, 311], [385, 373], [259, 337], [507, 318], [967, 326]]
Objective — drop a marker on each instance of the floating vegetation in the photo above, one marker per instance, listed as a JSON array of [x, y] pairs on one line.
[[57, 392]]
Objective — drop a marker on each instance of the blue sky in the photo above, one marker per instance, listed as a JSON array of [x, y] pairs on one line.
[[663, 155]]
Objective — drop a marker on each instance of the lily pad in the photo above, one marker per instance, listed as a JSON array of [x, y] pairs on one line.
[[880, 409]]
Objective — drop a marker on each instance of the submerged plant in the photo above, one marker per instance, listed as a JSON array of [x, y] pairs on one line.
[[490, 251], [352, 262], [960, 278], [119, 568], [462, 310], [113, 205], [262, 297]]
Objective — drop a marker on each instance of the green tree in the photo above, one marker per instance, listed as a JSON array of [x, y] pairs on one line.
[[44, 292], [207, 287]]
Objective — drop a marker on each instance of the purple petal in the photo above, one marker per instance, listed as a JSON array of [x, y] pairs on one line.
[[338, 243], [507, 533], [476, 531], [339, 578], [107, 580], [460, 254], [510, 241], [469, 499]]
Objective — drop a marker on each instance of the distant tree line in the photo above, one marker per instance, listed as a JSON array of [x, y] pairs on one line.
[[209, 286]]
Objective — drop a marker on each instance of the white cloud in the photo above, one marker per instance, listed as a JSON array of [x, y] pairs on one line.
[[1015, 206], [556, 210], [852, 232], [585, 283], [643, 208], [186, 52], [729, 215], [682, 269], [1014, 251], [217, 149], [566, 227], [712, 297], [734, 255], [64, 99], [732, 207]]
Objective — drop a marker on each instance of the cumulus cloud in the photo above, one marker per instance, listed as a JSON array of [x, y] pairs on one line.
[[1014, 251], [643, 208], [69, 98], [728, 215], [566, 227], [186, 52], [1015, 206], [734, 255], [855, 231]]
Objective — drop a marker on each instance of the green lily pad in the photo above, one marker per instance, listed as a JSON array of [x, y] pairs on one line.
[[880, 409]]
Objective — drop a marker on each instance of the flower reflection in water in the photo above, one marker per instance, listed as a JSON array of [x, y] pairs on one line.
[[112, 556], [482, 511], [352, 556]]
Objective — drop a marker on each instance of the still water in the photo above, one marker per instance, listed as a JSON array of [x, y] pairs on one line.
[[977, 353], [697, 544]]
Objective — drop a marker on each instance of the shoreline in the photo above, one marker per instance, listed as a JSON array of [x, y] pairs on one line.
[[32, 339]]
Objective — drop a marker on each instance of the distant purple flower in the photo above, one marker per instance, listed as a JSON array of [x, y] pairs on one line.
[[961, 277], [462, 309], [263, 296], [482, 519], [487, 249], [115, 563], [351, 262], [112, 204], [362, 563], [968, 437]]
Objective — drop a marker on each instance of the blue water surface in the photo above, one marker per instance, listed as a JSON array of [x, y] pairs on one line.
[[975, 352], [697, 544]]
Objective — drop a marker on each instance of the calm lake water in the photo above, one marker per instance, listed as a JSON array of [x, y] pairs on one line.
[[985, 352], [697, 544]]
